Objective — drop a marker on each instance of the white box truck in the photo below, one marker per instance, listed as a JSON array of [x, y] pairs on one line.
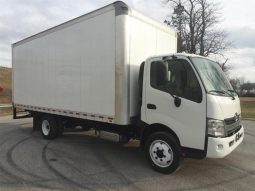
[[117, 71]]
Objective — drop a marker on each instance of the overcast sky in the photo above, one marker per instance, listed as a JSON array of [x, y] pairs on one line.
[[22, 18]]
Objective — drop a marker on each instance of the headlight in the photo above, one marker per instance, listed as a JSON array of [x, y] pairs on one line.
[[216, 128]]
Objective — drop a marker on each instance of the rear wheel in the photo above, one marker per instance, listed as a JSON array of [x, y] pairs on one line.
[[49, 127], [36, 122], [163, 152], [61, 127]]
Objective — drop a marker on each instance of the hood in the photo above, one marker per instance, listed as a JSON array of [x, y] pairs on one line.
[[221, 107]]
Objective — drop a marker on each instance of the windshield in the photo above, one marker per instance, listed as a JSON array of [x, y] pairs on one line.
[[213, 77]]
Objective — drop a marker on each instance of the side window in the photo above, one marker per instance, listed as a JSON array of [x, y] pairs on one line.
[[177, 78]]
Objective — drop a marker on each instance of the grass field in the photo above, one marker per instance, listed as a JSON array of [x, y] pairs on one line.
[[6, 94], [6, 83], [248, 107], [5, 111]]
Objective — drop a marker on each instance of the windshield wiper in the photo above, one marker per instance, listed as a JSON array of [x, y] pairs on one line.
[[217, 91], [233, 91], [223, 92]]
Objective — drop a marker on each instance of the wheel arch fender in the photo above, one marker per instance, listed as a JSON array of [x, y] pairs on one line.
[[150, 129]]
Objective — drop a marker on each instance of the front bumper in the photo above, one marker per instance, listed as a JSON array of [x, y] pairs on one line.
[[221, 147]]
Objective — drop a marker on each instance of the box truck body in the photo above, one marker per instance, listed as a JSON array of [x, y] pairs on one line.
[[88, 67], [117, 71]]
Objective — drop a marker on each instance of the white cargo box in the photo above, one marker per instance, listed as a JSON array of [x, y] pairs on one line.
[[88, 67]]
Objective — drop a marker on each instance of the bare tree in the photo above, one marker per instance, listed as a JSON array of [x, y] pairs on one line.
[[196, 22], [235, 82]]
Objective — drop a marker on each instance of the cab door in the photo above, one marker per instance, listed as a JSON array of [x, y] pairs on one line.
[[175, 97]]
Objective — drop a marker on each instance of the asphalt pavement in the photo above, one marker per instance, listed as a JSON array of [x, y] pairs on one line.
[[81, 161]]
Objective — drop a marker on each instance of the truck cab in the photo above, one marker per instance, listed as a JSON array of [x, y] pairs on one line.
[[190, 98]]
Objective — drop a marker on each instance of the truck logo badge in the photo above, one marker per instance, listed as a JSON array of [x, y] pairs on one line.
[[236, 117]]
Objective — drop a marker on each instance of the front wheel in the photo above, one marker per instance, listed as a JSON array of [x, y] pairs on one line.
[[163, 152]]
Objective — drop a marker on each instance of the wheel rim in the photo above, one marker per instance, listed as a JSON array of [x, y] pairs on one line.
[[45, 127], [161, 153]]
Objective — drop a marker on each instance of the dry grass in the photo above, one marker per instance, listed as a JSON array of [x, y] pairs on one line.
[[6, 83], [248, 107], [6, 94], [5, 111]]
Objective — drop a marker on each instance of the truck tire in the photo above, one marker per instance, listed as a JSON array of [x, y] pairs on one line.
[[61, 127], [163, 152], [36, 123], [49, 127]]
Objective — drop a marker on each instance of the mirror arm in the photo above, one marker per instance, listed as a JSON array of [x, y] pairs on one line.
[[177, 100]]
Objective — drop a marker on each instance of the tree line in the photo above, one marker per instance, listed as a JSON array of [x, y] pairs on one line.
[[242, 87]]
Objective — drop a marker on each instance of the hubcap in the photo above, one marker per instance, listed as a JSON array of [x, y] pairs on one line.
[[45, 127], [161, 153]]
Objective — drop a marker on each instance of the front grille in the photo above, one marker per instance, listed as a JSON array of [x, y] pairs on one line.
[[232, 120], [232, 125], [233, 131]]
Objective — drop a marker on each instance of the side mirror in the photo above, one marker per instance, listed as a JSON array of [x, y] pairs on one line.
[[177, 101]]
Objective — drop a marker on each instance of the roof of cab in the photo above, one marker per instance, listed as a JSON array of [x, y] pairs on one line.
[[178, 54]]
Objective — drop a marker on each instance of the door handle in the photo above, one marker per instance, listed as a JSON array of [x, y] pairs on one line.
[[151, 106]]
